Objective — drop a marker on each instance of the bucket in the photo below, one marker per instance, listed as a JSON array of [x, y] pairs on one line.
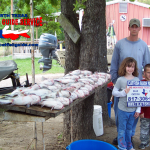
[[109, 93], [98, 120], [109, 109], [90, 145]]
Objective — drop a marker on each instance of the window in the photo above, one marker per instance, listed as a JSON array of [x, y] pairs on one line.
[[122, 7], [146, 22]]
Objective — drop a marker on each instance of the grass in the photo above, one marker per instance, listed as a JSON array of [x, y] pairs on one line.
[[25, 66], [60, 136]]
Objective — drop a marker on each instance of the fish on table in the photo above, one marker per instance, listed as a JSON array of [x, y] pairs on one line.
[[26, 100], [57, 93], [53, 104]]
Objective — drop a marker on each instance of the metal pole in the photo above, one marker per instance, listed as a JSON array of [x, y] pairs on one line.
[[32, 42]]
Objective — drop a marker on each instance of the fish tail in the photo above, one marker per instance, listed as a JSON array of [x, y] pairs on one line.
[[42, 105]]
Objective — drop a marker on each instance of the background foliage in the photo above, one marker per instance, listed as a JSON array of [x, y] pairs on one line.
[[44, 9], [144, 1]]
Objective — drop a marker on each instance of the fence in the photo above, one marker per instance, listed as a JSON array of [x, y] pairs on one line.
[[25, 51]]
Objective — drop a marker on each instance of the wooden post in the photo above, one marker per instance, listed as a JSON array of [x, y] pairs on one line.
[[36, 33], [32, 42], [12, 28], [43, 136], [35, 136]]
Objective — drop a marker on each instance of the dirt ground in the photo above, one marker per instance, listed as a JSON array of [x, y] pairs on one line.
[[19, 135]]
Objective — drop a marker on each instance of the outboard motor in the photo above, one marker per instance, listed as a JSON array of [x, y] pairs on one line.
[[47, 47]]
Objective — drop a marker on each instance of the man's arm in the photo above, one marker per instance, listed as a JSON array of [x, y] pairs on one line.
[[114, 65], [146, 56]]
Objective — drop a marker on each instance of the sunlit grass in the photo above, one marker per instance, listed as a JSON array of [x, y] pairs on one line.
[[25, 66]]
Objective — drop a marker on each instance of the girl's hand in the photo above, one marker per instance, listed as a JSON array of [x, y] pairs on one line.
[[142, 115], [136, 115], [127, 90]]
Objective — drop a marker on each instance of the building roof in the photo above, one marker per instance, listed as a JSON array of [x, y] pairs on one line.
[[135, 3]]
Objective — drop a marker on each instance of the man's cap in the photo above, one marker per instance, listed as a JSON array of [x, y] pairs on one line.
[[134, 21]]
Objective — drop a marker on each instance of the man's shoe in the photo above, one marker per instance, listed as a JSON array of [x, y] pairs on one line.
[[115, 141], [142, 146], [132, 142]]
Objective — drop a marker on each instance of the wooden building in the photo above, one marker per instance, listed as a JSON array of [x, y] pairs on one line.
[[119, 13]]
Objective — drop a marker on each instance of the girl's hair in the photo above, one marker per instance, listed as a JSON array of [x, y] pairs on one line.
[[146, 66], [128, 62]]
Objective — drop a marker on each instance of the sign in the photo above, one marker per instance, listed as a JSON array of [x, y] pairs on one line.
[[123, 17], [15, 34], [139, 94]]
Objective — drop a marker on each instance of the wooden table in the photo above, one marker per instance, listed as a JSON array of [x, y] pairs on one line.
[[38, 113]]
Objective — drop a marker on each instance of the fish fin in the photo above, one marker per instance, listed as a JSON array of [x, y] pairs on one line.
[[42, 105], [69, 93], [52, 108], [40, 98], [57, 93], [28, 105]]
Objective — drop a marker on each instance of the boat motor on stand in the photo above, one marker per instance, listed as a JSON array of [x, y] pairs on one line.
[[47, 47]]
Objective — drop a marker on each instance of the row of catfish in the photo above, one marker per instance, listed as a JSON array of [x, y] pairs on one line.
[[57, 93]]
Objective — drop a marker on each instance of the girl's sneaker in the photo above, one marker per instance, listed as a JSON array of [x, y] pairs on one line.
[[142, 146]]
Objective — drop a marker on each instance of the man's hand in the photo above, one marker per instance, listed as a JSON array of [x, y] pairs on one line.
[[127, 90], [142, 115], [136, 115]]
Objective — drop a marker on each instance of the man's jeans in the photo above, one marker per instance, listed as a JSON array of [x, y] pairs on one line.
[[116, 100], [126, 120]]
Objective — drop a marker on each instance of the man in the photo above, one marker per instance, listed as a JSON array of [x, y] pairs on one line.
[[132, 46]]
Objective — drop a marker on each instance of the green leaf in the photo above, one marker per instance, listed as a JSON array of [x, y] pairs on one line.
[[79, 5]]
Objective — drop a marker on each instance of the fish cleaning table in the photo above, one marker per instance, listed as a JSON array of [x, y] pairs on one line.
[[46, 111], [37, 113]]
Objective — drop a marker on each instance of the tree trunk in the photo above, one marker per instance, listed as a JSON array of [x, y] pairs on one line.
[[93, 51], [72, 49], [71, 62], [92, 57]]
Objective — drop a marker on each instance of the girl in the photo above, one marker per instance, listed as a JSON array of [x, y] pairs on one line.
[[128, 71]]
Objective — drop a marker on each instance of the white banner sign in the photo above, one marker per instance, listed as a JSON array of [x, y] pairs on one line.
[[139, 94]]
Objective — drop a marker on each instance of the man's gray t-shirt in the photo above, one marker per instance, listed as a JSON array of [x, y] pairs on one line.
[[121, 84], [125, 48]]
